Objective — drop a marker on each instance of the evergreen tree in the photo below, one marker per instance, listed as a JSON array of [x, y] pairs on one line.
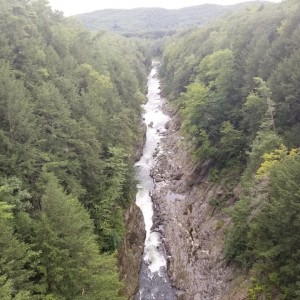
[[274, 231], [15, 257], [70, 264]]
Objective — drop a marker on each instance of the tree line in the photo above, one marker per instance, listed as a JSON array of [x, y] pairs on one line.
[[152, 23]]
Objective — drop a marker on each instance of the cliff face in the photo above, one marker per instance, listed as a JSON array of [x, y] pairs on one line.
[[131, 250], [188, 213], [132, 247], [193, 225]]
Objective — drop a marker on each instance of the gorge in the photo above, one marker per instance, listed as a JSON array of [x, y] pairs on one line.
[[203, 213], [154, 281], [181, 233]]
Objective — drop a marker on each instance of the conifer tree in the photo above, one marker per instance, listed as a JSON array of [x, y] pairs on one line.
[[15, 257], [70, 264]]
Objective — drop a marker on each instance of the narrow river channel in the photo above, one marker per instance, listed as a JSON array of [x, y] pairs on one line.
[[154, 282]]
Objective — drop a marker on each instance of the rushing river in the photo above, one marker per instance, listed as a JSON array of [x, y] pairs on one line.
[[154, 281]]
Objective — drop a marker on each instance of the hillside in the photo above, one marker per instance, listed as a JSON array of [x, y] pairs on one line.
[[218, 181], [153, 22], [69, 122], [235, 85]]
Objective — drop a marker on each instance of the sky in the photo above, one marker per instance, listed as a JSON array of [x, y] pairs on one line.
[[72, 7]]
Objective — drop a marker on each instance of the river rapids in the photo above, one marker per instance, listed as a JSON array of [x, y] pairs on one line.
[[154, 283]]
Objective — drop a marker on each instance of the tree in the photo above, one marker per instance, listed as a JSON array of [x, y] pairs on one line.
[[265, 141], [112, 204], [231, 143], [70, 264], [198, 121], [275, 229], [286, 91], [16, 111], [12, 192], [70, 107], [5, 210], [15, 259]]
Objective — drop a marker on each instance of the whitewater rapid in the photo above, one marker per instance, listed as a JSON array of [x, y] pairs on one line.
[[154, 282]]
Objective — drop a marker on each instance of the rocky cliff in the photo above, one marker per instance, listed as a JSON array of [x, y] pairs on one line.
[[188, 213], [132, 247], [131, 250]]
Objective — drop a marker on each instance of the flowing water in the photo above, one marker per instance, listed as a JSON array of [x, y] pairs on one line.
[[154, 281]]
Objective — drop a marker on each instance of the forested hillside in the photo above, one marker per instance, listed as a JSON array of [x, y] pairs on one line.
[[69, 113], [153, 22], [70, 107], [236, 86]]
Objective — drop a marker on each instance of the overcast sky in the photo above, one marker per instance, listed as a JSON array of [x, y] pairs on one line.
[[71, 7]]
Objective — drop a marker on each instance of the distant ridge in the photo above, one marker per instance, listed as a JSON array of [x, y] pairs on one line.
[[154, 22]]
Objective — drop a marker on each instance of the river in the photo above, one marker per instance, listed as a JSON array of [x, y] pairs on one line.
[[154, 283]]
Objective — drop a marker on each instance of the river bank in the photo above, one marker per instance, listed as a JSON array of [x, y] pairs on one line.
[[193, 229], [153, 281], [187, 230]]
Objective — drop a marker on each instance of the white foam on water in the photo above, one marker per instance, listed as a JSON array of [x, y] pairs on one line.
[[152, 256], [156, 118]]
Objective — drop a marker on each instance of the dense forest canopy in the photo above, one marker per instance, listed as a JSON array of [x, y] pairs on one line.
[[70, 106], [69, 115], [236, 85], [154, 22]]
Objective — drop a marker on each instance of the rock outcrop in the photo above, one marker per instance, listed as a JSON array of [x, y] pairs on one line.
[[188, 214], [131, 251], [192, 224]]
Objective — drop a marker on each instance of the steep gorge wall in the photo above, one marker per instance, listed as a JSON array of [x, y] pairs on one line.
[[193, 227], [131, 251]]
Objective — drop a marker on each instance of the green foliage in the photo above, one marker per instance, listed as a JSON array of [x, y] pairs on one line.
[[265, 142], [267, 122], [12, 192], [247, 85], [266, 225], [111, 207], [70, 265], [231, 142], [256, 291], [236, 83], [5, 288], [259, 108], [273, 158], [194, 105], [15, 258], [205, 109], [277, 253], [70, 107], [236, 246], [5, 210], [152, 23]]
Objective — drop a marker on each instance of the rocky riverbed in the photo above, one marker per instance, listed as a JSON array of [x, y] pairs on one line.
[[192, 227]]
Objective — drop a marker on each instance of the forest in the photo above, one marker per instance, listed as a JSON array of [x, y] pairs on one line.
[[153, 23], [70, 120], [70, 105], [236, 86]]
